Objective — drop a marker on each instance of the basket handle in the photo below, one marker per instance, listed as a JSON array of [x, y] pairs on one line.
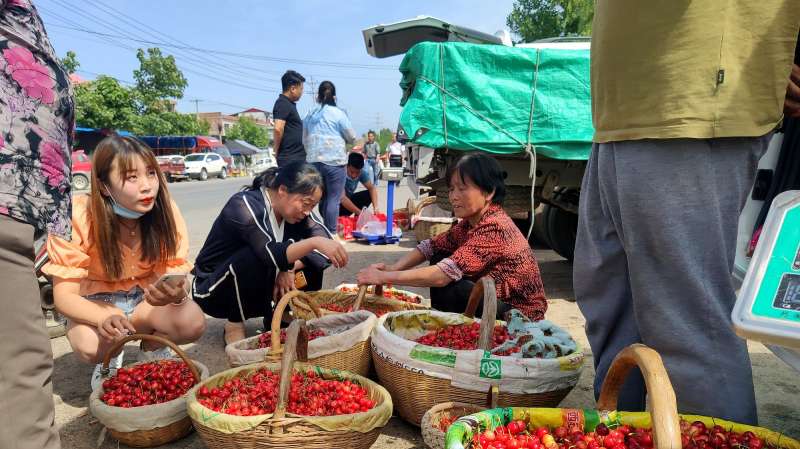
[[660, 395], [296, 349], [362, 292], [121, 342], [277, 315], [484, 289], [492, 395]]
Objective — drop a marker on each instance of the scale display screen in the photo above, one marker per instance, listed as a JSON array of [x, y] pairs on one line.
[[788, 295]]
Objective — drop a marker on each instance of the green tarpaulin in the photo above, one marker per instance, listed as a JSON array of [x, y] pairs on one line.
[[478, 97]]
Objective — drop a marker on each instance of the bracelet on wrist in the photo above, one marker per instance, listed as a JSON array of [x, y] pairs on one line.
[[179, 303]]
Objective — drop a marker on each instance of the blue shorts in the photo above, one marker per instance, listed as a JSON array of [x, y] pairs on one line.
[[125, 301]]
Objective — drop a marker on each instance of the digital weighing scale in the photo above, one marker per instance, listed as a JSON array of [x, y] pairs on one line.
[[393, 176], [768, 306]]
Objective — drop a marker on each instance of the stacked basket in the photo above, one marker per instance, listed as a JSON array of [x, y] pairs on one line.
[[309, 305], [345, 345]]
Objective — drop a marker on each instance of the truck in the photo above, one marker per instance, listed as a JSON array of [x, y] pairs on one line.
[[173, 167], [528, 105]]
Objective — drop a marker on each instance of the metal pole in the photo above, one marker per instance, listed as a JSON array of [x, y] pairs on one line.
[[390, 211]]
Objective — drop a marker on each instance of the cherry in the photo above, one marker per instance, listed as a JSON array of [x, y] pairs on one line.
[[462, 337], [256, 393], [147, 384], [264, 340]]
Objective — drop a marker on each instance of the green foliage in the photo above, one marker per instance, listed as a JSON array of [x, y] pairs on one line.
[[169, 124], [247, 130], [104, 103], [538, 19], [157, 79], [70, 62], [384, 138]]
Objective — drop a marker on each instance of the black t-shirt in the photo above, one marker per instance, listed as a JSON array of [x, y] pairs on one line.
[[291, 148]]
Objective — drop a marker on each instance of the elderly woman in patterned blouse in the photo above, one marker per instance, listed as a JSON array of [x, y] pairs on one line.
[[485, 242]]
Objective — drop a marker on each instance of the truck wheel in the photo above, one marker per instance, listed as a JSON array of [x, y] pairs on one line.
[[224, 173], [203, 175], [80, 182], [169, 177], [561, 228]]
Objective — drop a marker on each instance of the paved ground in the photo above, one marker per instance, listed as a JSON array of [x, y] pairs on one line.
[[777, 389]]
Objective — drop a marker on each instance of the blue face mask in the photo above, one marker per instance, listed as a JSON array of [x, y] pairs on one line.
[[123, 212]]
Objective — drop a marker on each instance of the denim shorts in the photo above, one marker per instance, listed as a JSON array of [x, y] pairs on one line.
[[125, 301]]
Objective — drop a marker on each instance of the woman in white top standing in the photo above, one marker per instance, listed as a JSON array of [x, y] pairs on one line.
[[326, 131]]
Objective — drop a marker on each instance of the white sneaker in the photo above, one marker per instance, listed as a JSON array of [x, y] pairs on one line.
[[157, 354], [113, 365]]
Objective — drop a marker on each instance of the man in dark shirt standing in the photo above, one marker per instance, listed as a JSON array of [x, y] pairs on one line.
[[288, 134]]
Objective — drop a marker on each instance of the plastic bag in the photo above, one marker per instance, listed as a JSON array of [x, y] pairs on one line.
[[377, 228], [365, 217], [536, 339]]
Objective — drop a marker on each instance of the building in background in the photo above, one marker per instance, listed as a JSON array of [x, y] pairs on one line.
[[220, 123]]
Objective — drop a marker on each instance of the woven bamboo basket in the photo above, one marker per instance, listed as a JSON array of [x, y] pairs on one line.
[[662, 417], [160, 435], [309, 305], [432, 433], [282, 430], [424, 230], [415, 392], [355, 359]]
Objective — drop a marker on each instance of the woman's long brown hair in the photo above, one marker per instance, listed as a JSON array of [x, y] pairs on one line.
[[158, 230]]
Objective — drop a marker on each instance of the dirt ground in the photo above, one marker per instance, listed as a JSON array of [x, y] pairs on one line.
[[777, 389]]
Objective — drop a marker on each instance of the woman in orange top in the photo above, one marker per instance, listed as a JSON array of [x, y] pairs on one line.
[[126, 233]]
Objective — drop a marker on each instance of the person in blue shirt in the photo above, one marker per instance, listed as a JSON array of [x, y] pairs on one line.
[[352, 201], [326, 131]]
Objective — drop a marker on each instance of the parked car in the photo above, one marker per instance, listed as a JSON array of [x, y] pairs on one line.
[[173, 167], [261, 162], [223, 151], [202, 165], [81, 170]]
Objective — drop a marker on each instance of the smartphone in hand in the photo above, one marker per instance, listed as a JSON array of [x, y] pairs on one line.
[[171, 279]]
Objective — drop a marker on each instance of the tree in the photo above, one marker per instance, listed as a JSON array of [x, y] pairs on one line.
[[384, 138], [539, 19], [157, 79], [247, 130], [70, 62], [169, 123], [104, 103]]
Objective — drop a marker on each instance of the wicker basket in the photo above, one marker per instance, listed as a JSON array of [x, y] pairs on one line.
[[309, 305], [433, 435], [355, 359], [160, 435], [423, 229], [283, 431], [662, 417], [415, 392], [350, 288]]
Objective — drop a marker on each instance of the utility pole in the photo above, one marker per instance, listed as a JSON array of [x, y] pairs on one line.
[[312, 85], [378, 123], [196, 107]]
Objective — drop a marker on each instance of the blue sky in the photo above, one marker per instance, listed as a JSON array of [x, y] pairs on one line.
[[311, 30]]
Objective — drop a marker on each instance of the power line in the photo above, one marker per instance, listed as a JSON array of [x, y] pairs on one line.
[[238, 54], [206, 65], [131, 83]]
